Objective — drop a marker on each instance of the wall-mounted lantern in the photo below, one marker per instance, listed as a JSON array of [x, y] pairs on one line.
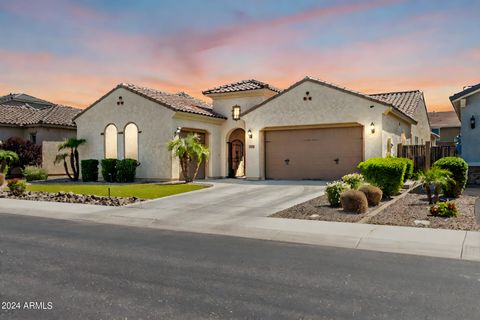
[[236, 113], [177, 132], [372, 127], [472, 122], [250, 134]]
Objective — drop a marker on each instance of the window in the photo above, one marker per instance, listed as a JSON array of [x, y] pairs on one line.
[[436, 130], [33, 137], [236, 113], [110, 141], [131, 141]]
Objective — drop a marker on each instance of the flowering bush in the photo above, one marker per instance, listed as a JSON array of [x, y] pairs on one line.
[[355, 180], [334, 190], [444, 209], [17, 187]]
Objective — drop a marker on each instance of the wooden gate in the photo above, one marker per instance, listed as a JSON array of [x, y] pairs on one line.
[[424, 156]]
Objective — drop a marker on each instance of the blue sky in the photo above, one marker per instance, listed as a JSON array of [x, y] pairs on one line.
[[72, 52]]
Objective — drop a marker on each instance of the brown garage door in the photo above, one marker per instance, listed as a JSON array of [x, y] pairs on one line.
[[326, 153]]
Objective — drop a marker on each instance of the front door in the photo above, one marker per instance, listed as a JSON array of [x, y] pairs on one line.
[[236, 159]]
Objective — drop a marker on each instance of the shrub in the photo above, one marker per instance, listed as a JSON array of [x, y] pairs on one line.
[[354, 201], [33, 173], [444, 209], [28, 152], [459, 169], [386, 173], [409, 169], [109, 170], [89, 170], [373, 194], [334, 190], [16, 186], [126, 170], [355, 180]]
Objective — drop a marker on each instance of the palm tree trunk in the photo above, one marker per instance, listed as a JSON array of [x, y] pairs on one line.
[[184, 164], [77, 164], [429, 193], [72, 164], [437, 194], [66, 169]]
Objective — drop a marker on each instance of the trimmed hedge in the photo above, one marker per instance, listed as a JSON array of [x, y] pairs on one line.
[[89, 169], [126, 170], [459, 169], [109, 170], [386, 173]]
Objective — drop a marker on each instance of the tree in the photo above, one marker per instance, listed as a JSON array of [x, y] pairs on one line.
[[72, 144], [62, 157], [438, 178], [189, 149], [6, 158]]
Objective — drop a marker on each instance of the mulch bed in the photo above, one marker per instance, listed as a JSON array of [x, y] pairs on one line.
[[320, 206], [414, 206]]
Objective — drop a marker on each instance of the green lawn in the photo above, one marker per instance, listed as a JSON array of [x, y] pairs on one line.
[[142, 191]]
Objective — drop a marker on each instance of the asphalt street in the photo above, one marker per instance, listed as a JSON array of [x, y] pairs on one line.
[[54, 269]]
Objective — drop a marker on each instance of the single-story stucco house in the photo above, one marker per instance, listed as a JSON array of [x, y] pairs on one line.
[[446, 125], [467, 106], [34, 119], [312, 130]]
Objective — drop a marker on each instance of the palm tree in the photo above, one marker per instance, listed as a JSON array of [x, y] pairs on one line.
[[189, 149], [6, 159], [63, 157], [438, 178], [72, 144]]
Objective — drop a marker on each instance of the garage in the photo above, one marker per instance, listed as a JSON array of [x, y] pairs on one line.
[[313, 153]]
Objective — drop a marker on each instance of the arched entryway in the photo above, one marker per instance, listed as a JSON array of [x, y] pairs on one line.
[[236, 153]]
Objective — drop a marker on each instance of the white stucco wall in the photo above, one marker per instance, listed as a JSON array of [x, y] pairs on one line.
[[212, 127], [392, 129], [153, 120], [328, 106], [422, 129], [223, 103], [43, 133], [471, 137]]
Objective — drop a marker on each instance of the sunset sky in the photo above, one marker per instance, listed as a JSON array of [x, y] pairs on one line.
[[73, 52]]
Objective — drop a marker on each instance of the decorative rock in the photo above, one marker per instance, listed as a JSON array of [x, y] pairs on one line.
[[314, 216], [424, 223]]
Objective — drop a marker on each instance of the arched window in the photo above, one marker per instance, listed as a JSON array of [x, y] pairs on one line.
[[110, 141], [131, 141]]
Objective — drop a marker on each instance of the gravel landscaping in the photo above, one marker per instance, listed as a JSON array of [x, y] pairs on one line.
[[411, 209], [320, 209], [70, 197], [414, 207]]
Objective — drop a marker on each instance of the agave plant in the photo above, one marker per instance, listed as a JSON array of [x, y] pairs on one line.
[[187, 150], [435, 179]]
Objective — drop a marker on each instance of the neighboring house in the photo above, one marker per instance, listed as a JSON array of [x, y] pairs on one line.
[[312, 130], [467, 106], [34, 119], [446, 125]]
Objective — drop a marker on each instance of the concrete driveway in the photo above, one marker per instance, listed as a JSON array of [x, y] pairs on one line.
[[229, 200]]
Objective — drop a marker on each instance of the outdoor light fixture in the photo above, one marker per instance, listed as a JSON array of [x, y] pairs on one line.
[[236, 113], [177, 132], [372, 127], [472, 122], [250, 134]]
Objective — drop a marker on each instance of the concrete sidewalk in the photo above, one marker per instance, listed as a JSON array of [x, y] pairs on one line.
[[430, 242]]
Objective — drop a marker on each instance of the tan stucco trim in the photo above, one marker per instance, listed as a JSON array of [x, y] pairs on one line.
[[394, 112], [197, 117], [314, 126]]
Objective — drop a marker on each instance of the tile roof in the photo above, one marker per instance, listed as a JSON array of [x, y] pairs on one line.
[[464, 92], [447, 119], [404, 101], [176, 101], [244, 85], [22, 98], [26, 115]]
